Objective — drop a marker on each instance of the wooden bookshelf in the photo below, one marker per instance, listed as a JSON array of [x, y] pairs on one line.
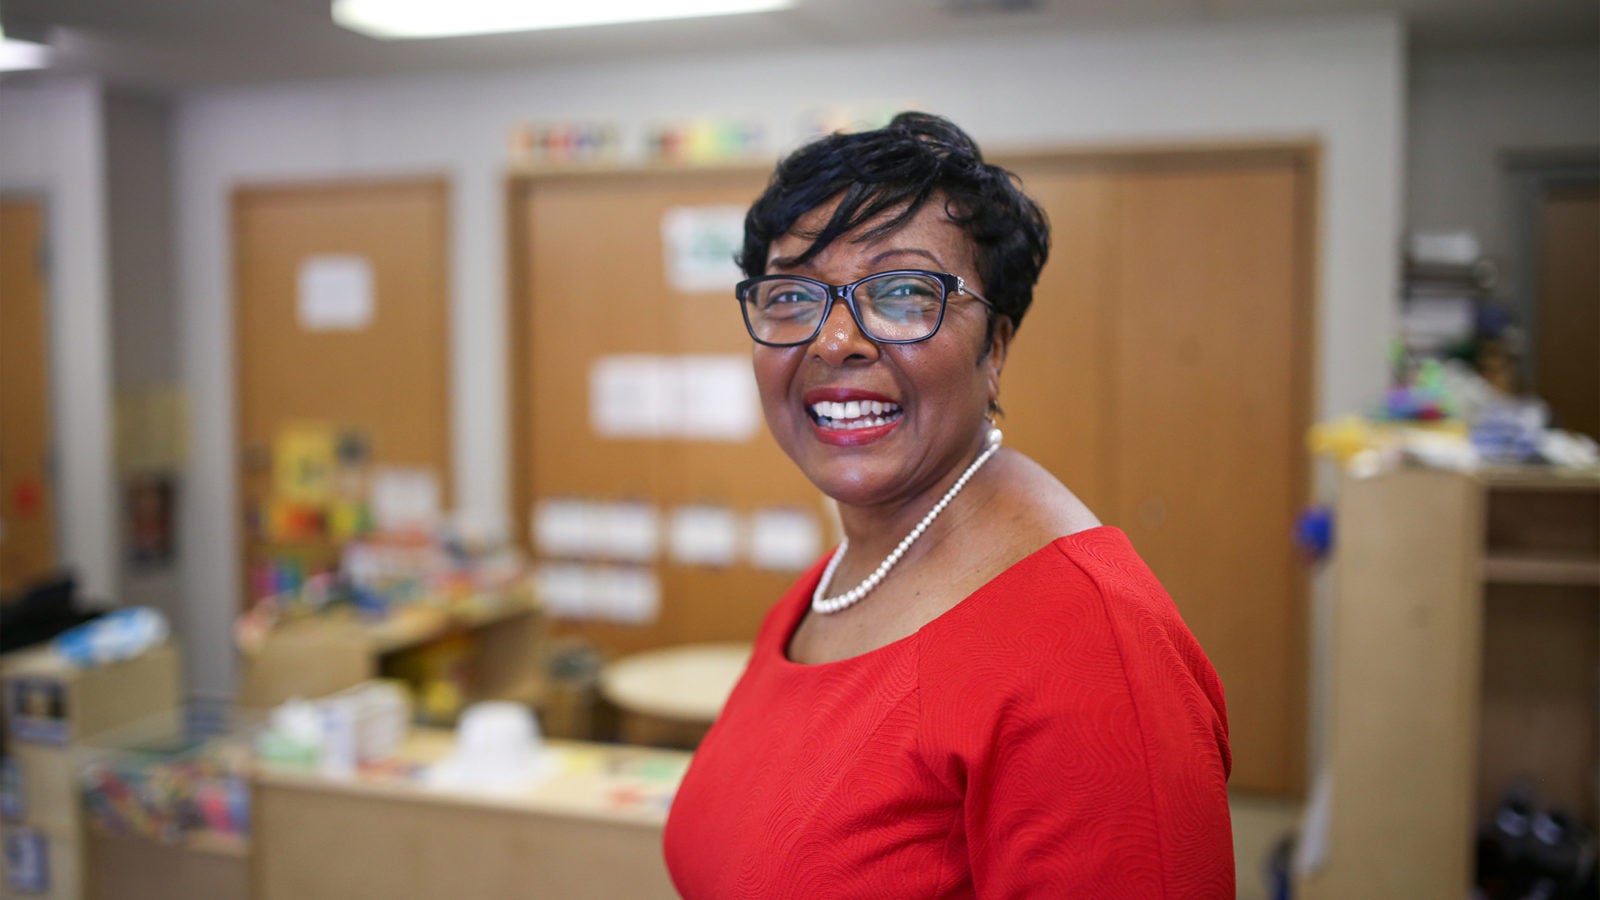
[[1466, 641]]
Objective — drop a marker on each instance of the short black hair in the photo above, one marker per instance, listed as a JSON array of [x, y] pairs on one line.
[[901, 166]]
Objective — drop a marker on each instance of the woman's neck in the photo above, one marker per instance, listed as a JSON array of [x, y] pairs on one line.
[[874, 530]]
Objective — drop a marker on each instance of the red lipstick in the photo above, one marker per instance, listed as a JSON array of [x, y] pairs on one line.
[[848, 437]]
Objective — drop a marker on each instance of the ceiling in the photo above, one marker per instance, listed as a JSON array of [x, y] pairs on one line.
[[163, 46]]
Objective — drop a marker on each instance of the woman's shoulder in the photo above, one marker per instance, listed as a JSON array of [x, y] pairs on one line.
[[1082, 609]]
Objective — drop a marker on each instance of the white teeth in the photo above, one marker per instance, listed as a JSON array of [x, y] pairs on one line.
[[855, 414]]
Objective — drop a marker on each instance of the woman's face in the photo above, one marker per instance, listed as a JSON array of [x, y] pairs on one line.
[[910, 412]]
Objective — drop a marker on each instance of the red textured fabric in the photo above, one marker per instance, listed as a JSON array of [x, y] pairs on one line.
[[1059, 733]]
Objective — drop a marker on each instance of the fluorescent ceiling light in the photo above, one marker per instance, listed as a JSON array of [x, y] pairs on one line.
[[15, 54], [449, 18]]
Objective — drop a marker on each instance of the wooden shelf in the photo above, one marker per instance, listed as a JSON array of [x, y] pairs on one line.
[[420, 623], [1549, 478], [1526, 569]]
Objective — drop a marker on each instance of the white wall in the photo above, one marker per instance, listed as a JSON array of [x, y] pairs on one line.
[[1339, 81], [138, 135], [144, 312], [1468, 109], [52, 148]]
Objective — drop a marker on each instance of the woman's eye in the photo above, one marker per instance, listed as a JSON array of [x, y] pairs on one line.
[[903, 289], [788, 301]]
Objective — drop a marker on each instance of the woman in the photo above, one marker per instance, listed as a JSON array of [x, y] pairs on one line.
[[982, 691]]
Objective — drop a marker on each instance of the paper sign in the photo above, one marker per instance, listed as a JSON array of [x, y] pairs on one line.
[[704, 536], [303, 460], [627, 531], [563, 589], [784, 539], [700, 243], [405, 499], [335, 293], [719, 399], [631, 396], [152, 429], [562, 528], [27, 856], [697, 397], [627, 594]]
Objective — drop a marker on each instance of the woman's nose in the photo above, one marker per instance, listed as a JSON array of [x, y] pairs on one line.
[[840, 341]]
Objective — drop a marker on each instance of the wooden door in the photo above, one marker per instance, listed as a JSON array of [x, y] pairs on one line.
[[589, 266], [27, 542], [1568, 319], [381, 373], [1164, 375]]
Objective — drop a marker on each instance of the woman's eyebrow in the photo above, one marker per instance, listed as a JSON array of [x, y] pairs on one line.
[[786, 262], [902, 251]]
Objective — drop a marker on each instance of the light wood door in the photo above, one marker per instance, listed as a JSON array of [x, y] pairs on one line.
[[1163, 374], [1567, 374], [591, 272], [27, 542], [387, 378]]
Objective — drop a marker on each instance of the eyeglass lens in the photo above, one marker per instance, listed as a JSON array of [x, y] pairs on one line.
[[892, 307]]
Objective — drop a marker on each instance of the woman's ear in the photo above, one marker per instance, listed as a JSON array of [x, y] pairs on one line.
[[995, 359]]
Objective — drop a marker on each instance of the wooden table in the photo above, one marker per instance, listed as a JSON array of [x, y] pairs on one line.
[[670, 697], [593, 829]]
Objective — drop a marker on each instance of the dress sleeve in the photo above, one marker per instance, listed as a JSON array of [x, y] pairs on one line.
[[1088, 748]]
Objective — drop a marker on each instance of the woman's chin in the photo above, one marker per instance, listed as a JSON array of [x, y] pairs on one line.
[[849, 484]]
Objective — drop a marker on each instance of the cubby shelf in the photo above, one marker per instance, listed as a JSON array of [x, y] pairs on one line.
[[1529, 569]]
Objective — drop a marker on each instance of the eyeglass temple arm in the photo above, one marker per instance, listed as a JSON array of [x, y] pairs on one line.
[[961, 288]]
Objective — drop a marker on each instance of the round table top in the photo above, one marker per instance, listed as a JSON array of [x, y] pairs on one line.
[[687, 683]]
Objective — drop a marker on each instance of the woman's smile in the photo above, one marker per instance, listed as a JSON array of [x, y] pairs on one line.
[[847, 417]]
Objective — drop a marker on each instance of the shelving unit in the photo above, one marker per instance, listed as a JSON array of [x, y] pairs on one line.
[[1466, 655], [323, 654]]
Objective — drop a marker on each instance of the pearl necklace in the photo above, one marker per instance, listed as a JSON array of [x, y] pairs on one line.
[[824, 604]]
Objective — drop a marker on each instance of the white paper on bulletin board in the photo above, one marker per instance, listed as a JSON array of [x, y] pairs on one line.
[[564, 590], [784, 539], [405, 498], [700, 243], [335, 293], [562, 528], [632, 395], [719, 399], [704, 535], [627, 594], [628, 531]]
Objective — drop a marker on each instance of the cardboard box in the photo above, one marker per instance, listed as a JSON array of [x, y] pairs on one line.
[[50, 702]]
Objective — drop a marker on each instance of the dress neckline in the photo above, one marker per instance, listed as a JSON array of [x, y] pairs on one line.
[[799, 602]]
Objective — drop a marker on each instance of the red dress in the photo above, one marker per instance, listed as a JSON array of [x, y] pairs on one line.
[[1059, 733]]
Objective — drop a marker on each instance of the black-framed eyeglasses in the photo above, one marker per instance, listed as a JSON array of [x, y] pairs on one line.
[[899, 307]]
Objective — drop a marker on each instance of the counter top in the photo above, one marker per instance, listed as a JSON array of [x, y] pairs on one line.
[[605, 782]]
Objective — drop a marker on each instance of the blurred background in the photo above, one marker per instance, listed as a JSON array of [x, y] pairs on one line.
[[396, 374]]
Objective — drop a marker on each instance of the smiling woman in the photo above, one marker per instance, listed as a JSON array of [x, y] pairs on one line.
[[982, 691]]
